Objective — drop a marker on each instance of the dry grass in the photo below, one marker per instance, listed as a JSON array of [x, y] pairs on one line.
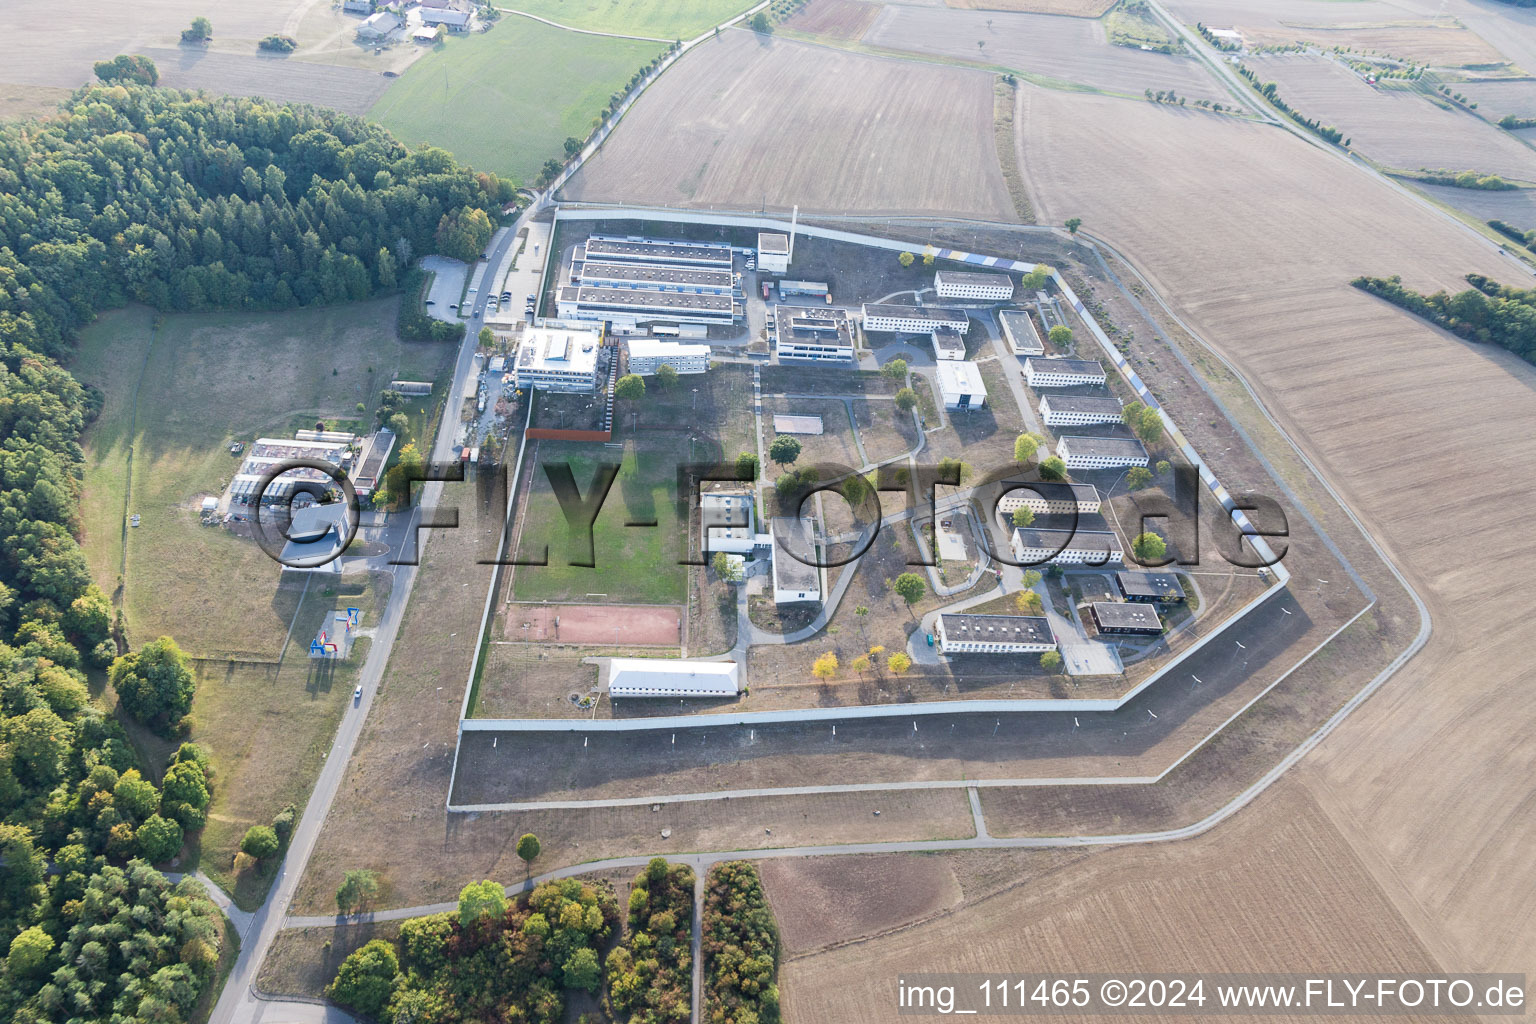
[[825, 901], [1395, 127], [18, 102], [1430, 769], [867, 135], [1067, 50]]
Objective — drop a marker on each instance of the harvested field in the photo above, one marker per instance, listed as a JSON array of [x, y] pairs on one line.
[[833, 19], [1057, 49], [826, 901], [23, 101], [1395, 127], [1074, 8], [1517, 207], [869, 135], [1495, 98], [1427, 771], [349, 90], [1227, 901], [596, 624]]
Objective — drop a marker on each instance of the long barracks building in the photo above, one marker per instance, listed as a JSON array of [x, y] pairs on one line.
[[885, 316]]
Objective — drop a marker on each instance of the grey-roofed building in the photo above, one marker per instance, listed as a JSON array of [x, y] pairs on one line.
[[1033, 546], [317, 535], [1079, 410], [672, 677], [630, 307], [1150, 587], [886, 316], [819, 334], [793, 579], [654, 250], [773, 252], [1101, 452], [1118, 617], [994, 634], [948, 343], [971, 284], [666, 277], [1020, 332], [1062, 373], [1046, 497]]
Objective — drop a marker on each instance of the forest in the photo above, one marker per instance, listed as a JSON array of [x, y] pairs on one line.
[[185, 202], [1488, 312], [741, 948]]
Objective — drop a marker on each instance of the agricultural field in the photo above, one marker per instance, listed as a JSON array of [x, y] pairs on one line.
[[825, 901], [1395, 127], [1517, 207], [1496, 98], [659, 19], [175, 396], [1217, 901], [1054, 50], [1333, 365], [842, 20], [869, 135], [506, 100], [23, 101], [1074, 8], [283, 80]]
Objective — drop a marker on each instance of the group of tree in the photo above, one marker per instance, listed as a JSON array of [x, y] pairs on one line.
[[1465, 179], [1488, 312], [200, 31], [1165, 96], [1271, 92], [133, 68], [1143, 421], [740, 947], [1038, 278], [278, 44], [649, 975], [1514, 122], [412, 322], [491, 959]]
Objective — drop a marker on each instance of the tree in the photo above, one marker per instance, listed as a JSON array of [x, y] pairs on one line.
[[825, 667], [1023, 516], [1053, 468], [159, 839], [528, 847], [135, 797], [29, 952], [928, 257], [367, 979], [1137, 477], [1149, 548], [761, 25], [910, 586], [581, 970], [896, 369], [481, 901], [784, 450], [906, 259], [356, 889], [666, 376], [1036, 279], [1032, 577], [1061, 336], [486, 337], [572, 145], [906, 399], [1163, 466], [1073, 223], [260, 842], [746, 466], [860, 664], [200, 32], [127, 68], [551, 170], [898, 662], [463, 233], [631, 387], [1050, 661], [1025, 446], [1028, 603], [724, 568], [155, 683]]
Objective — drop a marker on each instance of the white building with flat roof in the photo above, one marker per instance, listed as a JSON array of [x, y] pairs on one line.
[[1020, 332], [1065, 547], [1062, 373], [727, 521], [948, 343], [1048, 498], [892, 317], [773, 252], [1079, 410], [971, 284], [1101, 452], [794, 579], [647, 355], [960, 385], [672, 677], [557, 359], [822, 334], [994, 634], [638, 249]]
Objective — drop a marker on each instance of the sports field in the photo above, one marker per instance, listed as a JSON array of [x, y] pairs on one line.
[[659, 19], [506, 100], [633, 564], [595, 624]]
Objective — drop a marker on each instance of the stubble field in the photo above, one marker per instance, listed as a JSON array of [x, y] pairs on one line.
[[1075, 8], [1064, 49], [349, 90], [1427, 771], [864, 134]]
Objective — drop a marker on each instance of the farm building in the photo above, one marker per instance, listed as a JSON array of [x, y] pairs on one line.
[[267, 455], [891, 317], [1149, 587], [1048, 498], [994, 634], [794, 579], [672, 677], [377, 26], [1065, 547], [785, 423], [370, 466], [557, 359], [773, 252], [1101, 452], [1020, 333], [317, 535], [1117, 617], [813, 333], [651, 250], [813, 289], [452, 14], [411, 387], [1078, 410], [960, 385], [970, 284], [726, 521], [428, 33], [647, 355], [1062, 373], [948, 343], [358, 6]]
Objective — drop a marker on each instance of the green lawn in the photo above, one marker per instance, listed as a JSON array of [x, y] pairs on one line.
[[659, 19], [635, 564], [507, 99]]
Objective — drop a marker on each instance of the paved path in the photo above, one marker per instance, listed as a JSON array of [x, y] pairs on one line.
[[582, 31]]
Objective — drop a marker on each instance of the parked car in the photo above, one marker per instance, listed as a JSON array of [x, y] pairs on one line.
[[430, 302]]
